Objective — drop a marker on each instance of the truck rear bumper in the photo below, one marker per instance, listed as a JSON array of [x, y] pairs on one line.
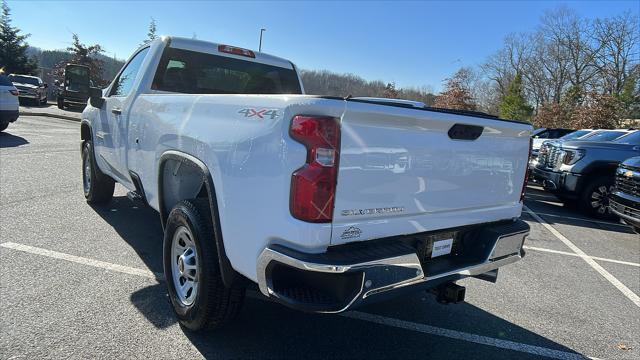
[[350, 275]]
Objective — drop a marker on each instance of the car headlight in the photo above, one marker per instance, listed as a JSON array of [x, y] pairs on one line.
[[572, 156]]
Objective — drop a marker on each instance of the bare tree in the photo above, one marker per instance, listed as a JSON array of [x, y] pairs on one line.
[[618, 37]]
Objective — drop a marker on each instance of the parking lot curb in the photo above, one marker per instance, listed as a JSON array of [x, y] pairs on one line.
[[57, 116]]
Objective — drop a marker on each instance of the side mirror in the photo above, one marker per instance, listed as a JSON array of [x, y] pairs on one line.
[[45, 85], [95, 97]]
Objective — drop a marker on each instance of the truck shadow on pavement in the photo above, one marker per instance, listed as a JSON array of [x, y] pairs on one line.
[[268, 330], [8, 140]]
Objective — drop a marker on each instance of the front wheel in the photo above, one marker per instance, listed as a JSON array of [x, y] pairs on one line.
[[199, 297], [98, 187], [595, 197]]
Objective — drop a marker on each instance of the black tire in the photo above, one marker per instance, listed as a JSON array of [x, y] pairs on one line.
[[3, 126], [214, 304], [99, 187], [60, 103], [594, 199]]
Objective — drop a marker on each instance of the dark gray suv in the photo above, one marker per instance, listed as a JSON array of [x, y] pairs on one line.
[[583, 172]]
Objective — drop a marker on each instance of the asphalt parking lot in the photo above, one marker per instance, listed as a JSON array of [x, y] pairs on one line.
[[85, 282]]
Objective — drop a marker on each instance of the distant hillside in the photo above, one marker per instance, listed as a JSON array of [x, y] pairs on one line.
[[316, 82], [324, 82]]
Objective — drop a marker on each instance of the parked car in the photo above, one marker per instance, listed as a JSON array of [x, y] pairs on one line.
[[575, 135], [542, 134], [584, 171], [625, 198], [31, 88], [9, 105], [74, 89], [242, 168]]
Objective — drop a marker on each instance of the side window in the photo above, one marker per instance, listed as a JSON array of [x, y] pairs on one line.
[[543, 135], [124, 83]]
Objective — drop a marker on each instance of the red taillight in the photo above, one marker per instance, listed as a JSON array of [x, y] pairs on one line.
[[526, 174], [236, 51], [14, 92], [313, 186]]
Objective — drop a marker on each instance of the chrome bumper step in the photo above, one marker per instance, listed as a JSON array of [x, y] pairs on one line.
[[336, 281]]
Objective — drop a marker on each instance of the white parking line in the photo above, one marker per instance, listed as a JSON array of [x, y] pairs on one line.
[[526, 247], [612, 279], [459, 335], [82, 260], [585, 219], [377, 319]]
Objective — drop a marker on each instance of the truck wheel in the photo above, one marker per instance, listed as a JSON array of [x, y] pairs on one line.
[[595, 197], [60, 103], [198, 295], [98, 187]]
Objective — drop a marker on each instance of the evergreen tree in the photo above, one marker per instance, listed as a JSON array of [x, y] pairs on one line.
[[13, 48], [630, 97], [513, 104], [87, 55], [151, 34], [390, 91]]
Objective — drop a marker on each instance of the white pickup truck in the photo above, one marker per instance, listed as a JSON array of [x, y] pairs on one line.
[[325, 203]]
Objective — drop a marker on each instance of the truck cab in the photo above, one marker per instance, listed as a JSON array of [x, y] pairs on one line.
[[73, 91]]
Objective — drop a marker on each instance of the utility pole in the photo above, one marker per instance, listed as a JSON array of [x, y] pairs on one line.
[[260, 46]]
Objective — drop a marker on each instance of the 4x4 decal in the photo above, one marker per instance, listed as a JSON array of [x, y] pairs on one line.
[[259, 113]]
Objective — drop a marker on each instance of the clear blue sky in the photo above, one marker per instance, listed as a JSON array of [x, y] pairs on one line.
[[411, 43]]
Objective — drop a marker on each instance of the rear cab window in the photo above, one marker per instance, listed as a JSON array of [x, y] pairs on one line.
[[191, 72]]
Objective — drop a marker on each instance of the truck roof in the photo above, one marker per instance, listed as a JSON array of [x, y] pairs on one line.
[[212, 48]]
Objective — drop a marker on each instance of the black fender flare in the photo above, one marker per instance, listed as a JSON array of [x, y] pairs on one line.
[[228, 274]]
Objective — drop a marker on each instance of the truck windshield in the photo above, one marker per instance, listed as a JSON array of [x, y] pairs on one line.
[[604, 136], [631, 139], [576, 134], [191, 72], [24, 80]]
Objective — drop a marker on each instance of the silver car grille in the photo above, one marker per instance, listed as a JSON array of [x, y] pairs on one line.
[[549, 156]]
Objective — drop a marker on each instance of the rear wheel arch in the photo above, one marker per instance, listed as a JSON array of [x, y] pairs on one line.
[[182, 176]]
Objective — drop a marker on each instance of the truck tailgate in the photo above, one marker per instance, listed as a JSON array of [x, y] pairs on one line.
[[400, 172]]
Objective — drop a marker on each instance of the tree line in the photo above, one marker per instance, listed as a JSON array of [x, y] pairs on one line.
[[570, 72]]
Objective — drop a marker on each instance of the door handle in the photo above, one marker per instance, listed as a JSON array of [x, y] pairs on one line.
[[116, 111]]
